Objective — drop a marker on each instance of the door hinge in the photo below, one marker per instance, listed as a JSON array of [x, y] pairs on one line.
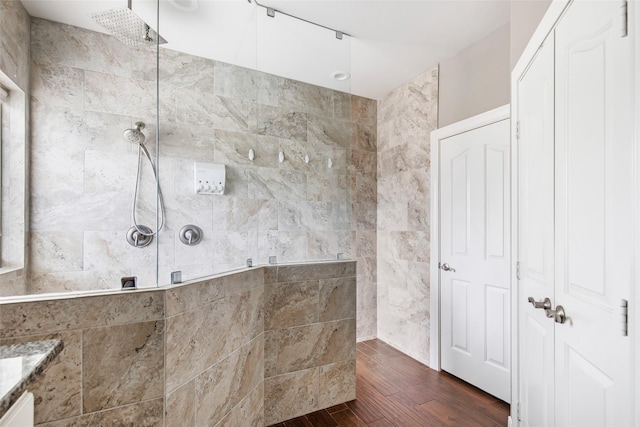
[[518, 130], [624, 317], [518, 270], [518, 412], [624, 15]]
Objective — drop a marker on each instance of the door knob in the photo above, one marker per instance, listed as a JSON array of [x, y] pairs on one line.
[[544, 304], [558, 314], [446, 267]]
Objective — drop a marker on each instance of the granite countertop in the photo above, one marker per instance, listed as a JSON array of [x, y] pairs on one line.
[[20, 364]]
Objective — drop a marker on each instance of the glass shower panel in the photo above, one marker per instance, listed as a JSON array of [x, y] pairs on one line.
[[209, 91], [90, 87], [305, 116]]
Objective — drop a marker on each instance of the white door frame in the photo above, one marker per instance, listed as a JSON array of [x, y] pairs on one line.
[[484, 119]]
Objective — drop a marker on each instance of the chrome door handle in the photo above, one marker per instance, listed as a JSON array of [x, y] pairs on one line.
[[545, 304], [446, 267], [558, 314]]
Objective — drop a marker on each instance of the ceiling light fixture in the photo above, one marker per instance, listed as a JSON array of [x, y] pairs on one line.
[[341, 75], [186, 5]]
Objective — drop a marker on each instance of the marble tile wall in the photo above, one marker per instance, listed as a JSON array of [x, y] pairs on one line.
[[215, 350], [88, 88], [14, 42], [112, 366], [406, 118], [196, 354], [309, 338], [14, 76]]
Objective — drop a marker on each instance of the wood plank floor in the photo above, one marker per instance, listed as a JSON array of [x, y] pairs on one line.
[[394, 390]]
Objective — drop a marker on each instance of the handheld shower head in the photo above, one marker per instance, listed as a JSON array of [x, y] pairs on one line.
[[135, 135]]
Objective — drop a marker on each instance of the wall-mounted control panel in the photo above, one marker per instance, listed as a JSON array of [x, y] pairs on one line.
[[209, 178]]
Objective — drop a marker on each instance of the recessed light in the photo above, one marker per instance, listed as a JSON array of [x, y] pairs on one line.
[[186, 5], [341, 75]]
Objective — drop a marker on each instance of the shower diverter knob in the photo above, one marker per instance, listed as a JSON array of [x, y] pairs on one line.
[[190, 235]]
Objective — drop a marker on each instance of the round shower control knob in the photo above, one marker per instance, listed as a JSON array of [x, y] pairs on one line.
[[190, 235]]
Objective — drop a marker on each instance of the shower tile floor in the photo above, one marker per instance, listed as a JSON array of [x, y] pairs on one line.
[[394, 390]]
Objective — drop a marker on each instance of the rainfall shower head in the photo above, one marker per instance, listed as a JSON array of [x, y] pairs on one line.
[[128, 27], [135, 135]]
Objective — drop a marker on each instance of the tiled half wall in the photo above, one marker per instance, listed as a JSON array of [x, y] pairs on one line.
[[250, 348]]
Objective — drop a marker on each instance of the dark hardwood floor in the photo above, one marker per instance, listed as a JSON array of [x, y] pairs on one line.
[[394, 390]]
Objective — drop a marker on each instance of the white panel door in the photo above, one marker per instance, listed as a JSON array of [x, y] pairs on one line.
[[535, 237], [594, 215], [474, 225]]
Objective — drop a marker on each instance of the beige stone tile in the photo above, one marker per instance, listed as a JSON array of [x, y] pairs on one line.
[[177, 69], [270, 275], [366, 190], [246, 84], [304, 347], [329, 133], [63, 44], [58, 85], [365, 216], [282, 122], [366, 323], [181, 298], [296, 273], [225, 384], [342, 105], [61, 251], [181, 406], [291, 304], [364, 110], [287, 246], [229, 284], [365, 138], [197, 339], [418, 216], [256, 307], [144, 414], [323, 245], [337, 299], [305, 97], [337, 383], [290, 395], [183, 141], [233, 148], [364, 162], [14, 21], [57, 390], [270, 353], [205, 109], [122, 364], [366, 243], [249, 412], [39, 317], [409, 245], [280, 184]]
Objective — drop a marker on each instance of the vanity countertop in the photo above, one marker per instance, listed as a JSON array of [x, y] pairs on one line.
[[20, 364]]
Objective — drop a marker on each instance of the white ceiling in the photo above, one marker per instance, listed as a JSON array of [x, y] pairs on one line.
[[392, 40]]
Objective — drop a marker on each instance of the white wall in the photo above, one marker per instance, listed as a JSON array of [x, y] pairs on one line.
[[476, 79], [525, 17]]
